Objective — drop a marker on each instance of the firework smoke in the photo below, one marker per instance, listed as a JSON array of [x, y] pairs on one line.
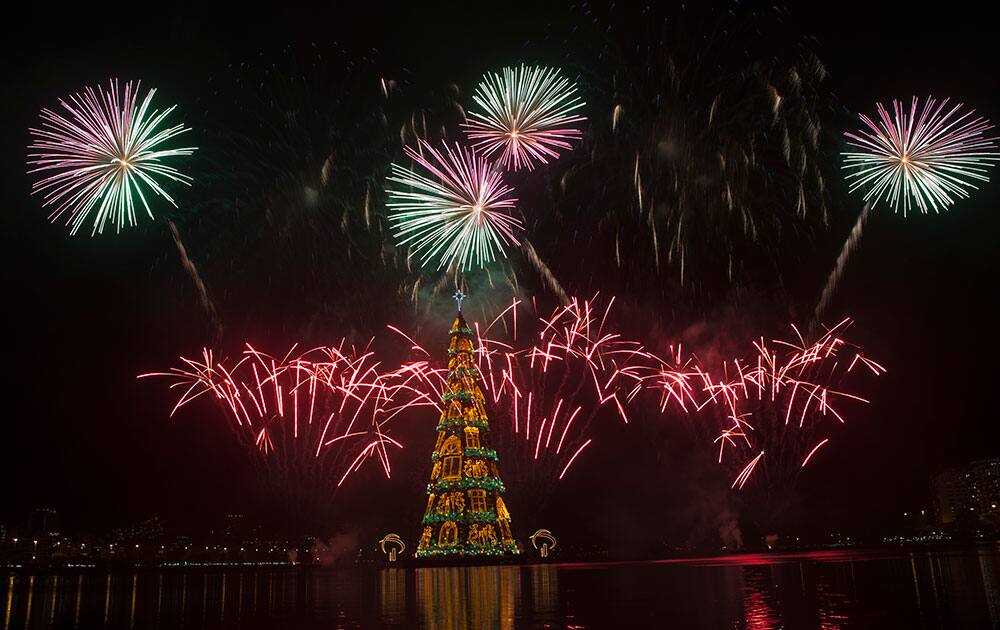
[[707, 158]]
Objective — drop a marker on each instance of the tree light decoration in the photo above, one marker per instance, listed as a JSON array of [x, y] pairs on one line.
[[551, 380], [95, 158], [465, 513], [927, 158], [458, 214], [528, 116]]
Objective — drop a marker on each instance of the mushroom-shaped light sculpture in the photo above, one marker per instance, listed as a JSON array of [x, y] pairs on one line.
[[392, 545], [548, 542]]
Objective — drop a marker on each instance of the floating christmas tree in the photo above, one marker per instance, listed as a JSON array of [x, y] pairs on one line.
[[465, 514]]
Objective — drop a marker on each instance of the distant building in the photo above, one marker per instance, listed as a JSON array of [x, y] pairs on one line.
[[235, 527], [969, 493], [43, 522], [147, 531]]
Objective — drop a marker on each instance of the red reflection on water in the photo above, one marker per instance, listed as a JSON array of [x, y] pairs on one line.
[[757, 610], [832, 606], [752, 559]]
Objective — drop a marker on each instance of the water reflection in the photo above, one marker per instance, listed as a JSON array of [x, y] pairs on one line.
[[468, 597], [76, 605], [988, 565], [392, 595], [10, 602], [829, 591], [31, 596], [758, 611], [833, 604], [545, 592]]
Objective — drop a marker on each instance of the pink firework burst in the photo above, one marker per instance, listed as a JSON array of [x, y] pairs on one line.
[[312, 418], [456, 209], [772, 411], [101, 158], [925, 156], [548, 379], [528, 116]]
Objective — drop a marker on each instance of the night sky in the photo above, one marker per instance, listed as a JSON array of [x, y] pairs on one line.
[[84, 315]]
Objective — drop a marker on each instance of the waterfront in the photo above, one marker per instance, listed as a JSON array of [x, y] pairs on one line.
[[838, 589]]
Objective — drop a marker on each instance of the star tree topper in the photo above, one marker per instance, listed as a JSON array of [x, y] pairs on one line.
[[459, 296]]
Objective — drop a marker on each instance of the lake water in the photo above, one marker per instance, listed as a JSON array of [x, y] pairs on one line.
[[829, 590]]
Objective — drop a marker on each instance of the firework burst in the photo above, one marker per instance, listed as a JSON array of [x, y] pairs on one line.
[[925, 156], [771, 407], [549, 378], [458, 213], [311, 418], [528, 116], [549, 390], [928, 156], [102, 153]]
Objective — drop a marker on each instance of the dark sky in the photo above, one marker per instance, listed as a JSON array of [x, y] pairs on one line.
[[85, 315]]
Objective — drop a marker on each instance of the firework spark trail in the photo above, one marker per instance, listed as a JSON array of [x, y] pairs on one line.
[[774, 402], [546, 273], [744, 475], [304, 413], [813, 451], [458, 213], [833, 280], [528, 116], [101, 155], [573, 458], [199, 283]]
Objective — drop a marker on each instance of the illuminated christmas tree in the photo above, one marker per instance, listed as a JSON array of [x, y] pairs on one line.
[[465, 513]]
